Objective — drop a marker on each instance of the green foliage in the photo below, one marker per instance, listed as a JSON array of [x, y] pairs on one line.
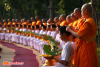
[[48, 51], [29, 8], [27, 32]]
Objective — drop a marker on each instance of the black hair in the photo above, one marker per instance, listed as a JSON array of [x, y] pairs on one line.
[[41, 24], [58, 26], [53, 26], [44, 27], [29, 26], [24, 25], [12, 25], [74, 37], [63, 30], [8, 25], [17, 25], [20, 25], [32, 26], [48, 25], [37, 26]]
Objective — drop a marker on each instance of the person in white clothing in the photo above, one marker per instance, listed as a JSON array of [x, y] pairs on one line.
[[53, 33], [2, 35], [67, 51], [21, 37]]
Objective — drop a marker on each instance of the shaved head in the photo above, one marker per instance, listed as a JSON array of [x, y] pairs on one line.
[[68, 18], [77, 12], [73, 17], [62, 17], [86, 11]]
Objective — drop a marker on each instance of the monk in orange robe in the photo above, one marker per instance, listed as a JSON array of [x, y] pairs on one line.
[[86, 53], [14, 23], [69, 20], [38, 21], [4, 22], [43, 22], [56, 19], [33, 22], [28, 22], [73, 19], [9, 22], [80, 21], [64, 21], [17, 22]]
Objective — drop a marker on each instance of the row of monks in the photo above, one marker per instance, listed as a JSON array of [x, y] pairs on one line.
[[79, 23]]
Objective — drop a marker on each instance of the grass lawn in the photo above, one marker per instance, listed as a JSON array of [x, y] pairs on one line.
[[98, 51]]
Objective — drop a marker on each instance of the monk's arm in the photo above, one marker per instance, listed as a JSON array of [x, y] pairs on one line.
[[62, 61], [74, 33]]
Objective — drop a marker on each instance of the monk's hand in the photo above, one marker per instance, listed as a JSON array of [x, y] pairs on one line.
[[52, 57], [68, 28]]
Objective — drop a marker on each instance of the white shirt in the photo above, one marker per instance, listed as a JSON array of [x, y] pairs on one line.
[[0, 28], [67, 52], [45, 32], [5, 29], [17, 28], [49, 33], [24, 30], [53, 34], [33, 31], [21, 29], [41, 32], [37, 31], [57, 38]]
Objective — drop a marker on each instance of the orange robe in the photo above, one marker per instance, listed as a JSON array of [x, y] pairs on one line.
[[86, 54], [14, 23], [38, 22], [80, 23], [9, 23], [5, 23], [64, 23], [58, 23], [75, 23], [33, 23]]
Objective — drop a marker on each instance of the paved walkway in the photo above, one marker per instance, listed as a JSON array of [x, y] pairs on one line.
[[7, 54]]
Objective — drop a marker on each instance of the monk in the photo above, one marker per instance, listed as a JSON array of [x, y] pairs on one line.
[[9, 22], [69, 20], [14, 23], [56, 19], [33, 22], [86, 53], [28, 22], [51, 21], [4, 22], [44, 22], [25, 22], [73, 19], [64, 21], [38, 21], [17, 21], [80, 21]]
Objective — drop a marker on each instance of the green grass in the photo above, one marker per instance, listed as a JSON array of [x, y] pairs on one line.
[[98, 51]]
